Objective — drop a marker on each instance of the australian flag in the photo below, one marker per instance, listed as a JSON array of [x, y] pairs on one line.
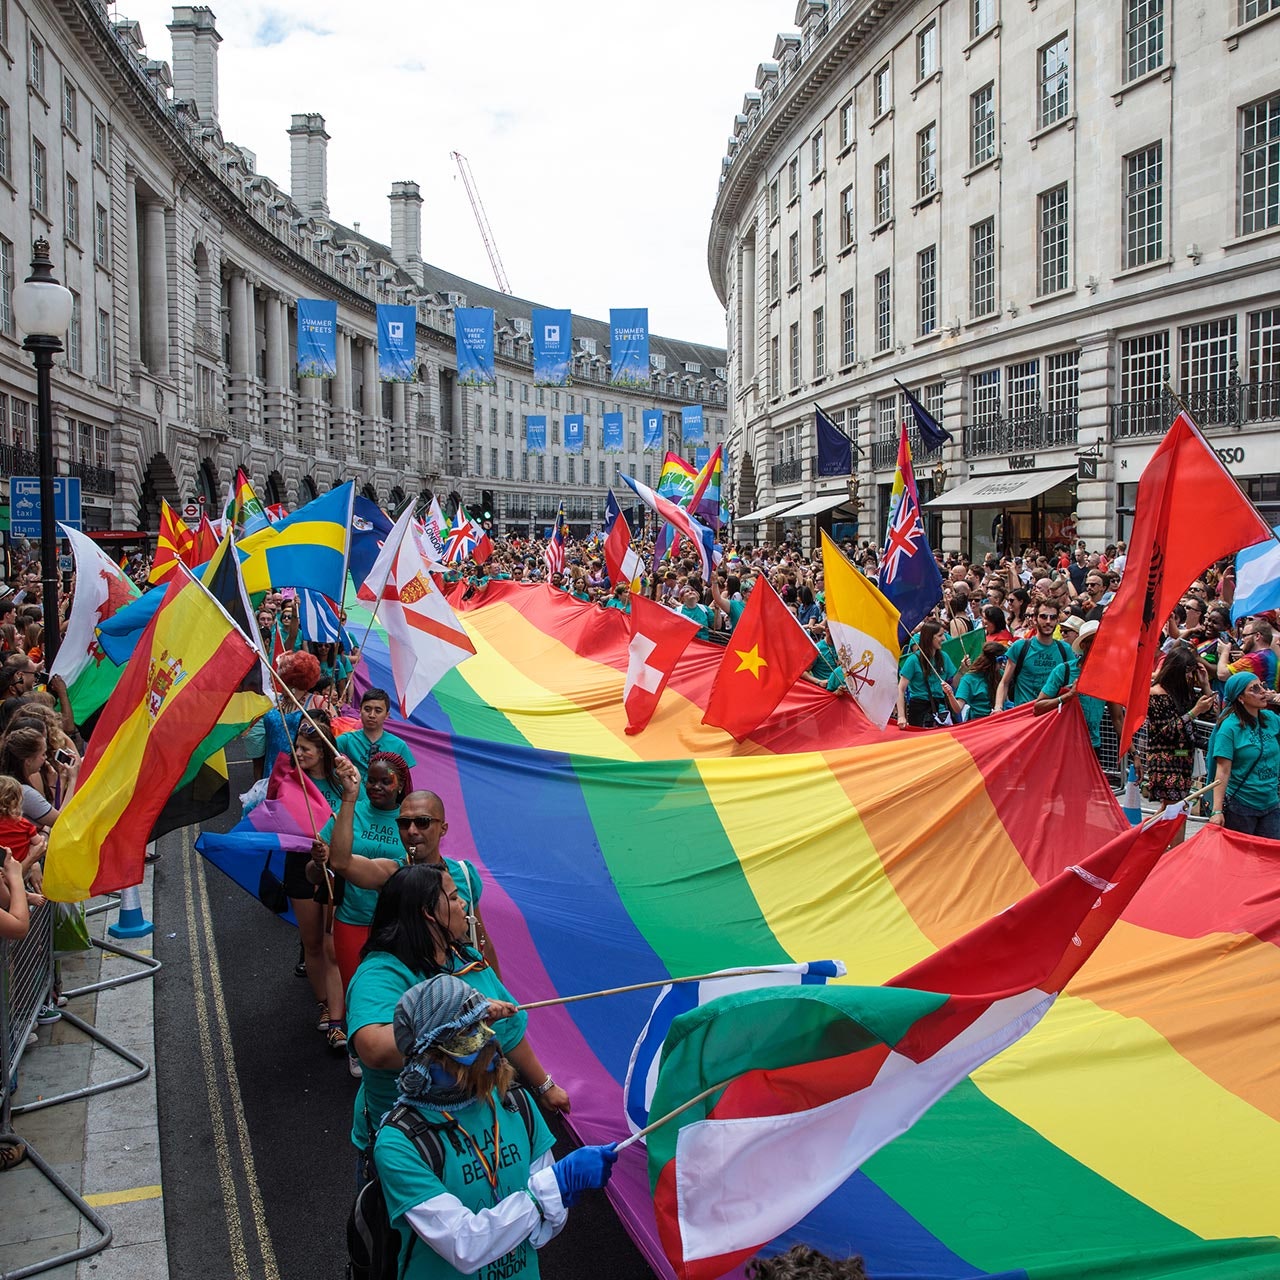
[[909, 575]]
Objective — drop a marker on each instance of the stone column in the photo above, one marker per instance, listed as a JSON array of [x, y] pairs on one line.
[[397, 404], [275, 342], [238, 299], [134, 268], [1095, 514], [369, 390], [156, 280], [953, 531]]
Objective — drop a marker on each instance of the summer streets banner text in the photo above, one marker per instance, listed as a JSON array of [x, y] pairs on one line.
[[691, 430], [574, 424], [317, 338], [473, 338], [701, 456], [652, 429], [613, 433], [629, 346], [552, 336], [397, 343], [535, 433]]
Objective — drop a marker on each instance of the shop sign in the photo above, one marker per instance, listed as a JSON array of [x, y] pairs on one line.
[[1022, 462]]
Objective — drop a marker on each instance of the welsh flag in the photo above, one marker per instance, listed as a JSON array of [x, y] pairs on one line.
[[804, 1083]]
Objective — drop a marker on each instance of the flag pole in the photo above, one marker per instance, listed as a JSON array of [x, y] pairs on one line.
[[671, 1115], [306, 715]]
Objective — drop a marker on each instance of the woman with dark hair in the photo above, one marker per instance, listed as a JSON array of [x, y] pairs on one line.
[[1017, 604], [24, 754], [996, 625], [976, 688], [924, 689], [1244, 753], [1179, 693], [418, 930], [299, 670]]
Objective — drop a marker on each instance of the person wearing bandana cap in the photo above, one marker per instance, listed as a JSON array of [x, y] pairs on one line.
[[499, 1196]]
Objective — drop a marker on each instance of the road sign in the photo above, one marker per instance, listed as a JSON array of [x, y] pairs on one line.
[[191, 512], [24, 504]]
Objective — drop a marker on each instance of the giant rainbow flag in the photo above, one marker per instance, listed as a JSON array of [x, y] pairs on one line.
[[1135, 1133]]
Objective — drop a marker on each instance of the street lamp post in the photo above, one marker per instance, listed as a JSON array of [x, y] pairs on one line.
[[42, 310]]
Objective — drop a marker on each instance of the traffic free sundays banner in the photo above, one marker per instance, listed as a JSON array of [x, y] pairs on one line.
[[317, 338], [473, 338], [535, 433], [397, 343], [613, 433], [552, 337], [629, 346]]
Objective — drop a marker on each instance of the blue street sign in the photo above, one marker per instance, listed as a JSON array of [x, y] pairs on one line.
[[24, 504]]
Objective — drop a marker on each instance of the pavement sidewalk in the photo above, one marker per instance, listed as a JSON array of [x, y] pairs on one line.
[[106, 1147]]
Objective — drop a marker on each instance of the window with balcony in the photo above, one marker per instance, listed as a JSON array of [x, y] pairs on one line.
[[1055, 85], [880, 97], [984, 396], [846, 123], [1263, 390], [982, 125], [819, 342], [927, 50], [1144, 206], [1206, 353], [819, 239], [848, 329], [793, 260], [793, 342], [884, 311], [1260, 165], [1054, 240], [927, 290], [883, 186], [1023, 382], [927, 161], [1143, 37], [982, 268], [1062, 395], [846, 217], [887, 418], [1144, 371]]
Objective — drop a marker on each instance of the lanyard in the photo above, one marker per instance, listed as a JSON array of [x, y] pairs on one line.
[[490, 1170]]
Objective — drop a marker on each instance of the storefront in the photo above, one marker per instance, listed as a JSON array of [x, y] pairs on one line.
[[1007, 512]]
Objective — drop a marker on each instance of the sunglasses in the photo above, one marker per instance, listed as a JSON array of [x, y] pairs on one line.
[[419, 821]]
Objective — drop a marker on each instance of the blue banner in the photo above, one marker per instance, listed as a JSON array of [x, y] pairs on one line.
[[691, 430], [652, 430], [397, 343], [535, 433], [552, 334], [317, 338], [574, 428], [629, 346], [473, 339], [613, 433], [701, 456]]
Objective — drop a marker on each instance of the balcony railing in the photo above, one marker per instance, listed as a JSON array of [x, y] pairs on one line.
[[94, 478], [1025, 434], [787, 472], [1228, 406], [211, 420], [884, 452], [15, 460]]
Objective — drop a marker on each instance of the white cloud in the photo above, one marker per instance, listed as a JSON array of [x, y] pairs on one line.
[[594, 132]]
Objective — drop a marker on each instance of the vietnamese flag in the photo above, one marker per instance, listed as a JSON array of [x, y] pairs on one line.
[[768, 652], [1189, 513], [658, 638]]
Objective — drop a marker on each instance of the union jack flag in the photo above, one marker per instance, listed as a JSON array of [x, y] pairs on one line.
[[909, 575], [903, 536], [554, 554], [462, 539]]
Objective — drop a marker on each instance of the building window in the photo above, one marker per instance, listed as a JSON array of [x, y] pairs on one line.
[[4, 22], [1144, 206], [982, 15], [982, 267], [69, 106], [37, 65], [1251, 9], [927, 290], [846, 124], [775, 284], [848, 329], [493, 419], [1205, 352], [1054, 240], [1024, 390], [773, 200], [104, 347], [479, 460], [4, 139], [540, 465], [793, 260], [74, 356], [1062, 392], [927, 51], [884, 312], [1264, 365], [73, 209], [846, 217], [984, 395], [887, 418], [817, 154], [555, 469], [1144, 370], [509, 424], [1055, 98], [100, 151], [775, 366], [541, 396], [101, 236], [524, 393], [820, 342], [511, 464], [819, 239], [1260, 165], [982, 125], [493, 463], [793, 340], [1143, 37], [883, 192], [880, 92], [793, 178], [6, 285], [39, 177], [927, 160]]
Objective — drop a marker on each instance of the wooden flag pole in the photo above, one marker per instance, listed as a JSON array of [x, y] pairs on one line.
[[306, 715], [671, 1115]]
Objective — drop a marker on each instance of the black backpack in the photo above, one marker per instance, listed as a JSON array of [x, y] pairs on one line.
[[373, 1244]]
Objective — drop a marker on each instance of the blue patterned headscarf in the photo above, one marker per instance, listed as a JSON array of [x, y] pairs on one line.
[[445, 1014]]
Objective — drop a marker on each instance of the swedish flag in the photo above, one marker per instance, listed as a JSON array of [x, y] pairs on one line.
[[306, 549]]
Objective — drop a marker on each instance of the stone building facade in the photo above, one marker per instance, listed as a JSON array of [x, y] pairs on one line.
[[1048, 220], [186, 264]]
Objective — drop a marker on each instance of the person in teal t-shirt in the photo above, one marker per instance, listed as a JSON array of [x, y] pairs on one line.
[[1244, 757], [924, 680], [359, 744], [1061, 685], [692, 607], [976, 688]]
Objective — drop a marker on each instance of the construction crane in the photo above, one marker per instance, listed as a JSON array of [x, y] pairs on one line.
[[482, 221]]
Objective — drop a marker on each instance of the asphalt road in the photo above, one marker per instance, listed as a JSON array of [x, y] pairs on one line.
[[255, 1110]]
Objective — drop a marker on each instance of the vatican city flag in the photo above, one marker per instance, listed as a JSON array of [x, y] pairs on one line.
[[864, 634]]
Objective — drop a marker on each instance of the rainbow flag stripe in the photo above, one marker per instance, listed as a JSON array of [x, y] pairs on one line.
[[1135, 1133]]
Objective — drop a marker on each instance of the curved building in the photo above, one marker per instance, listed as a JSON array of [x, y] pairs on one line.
[[1048, 220], [186, 264]]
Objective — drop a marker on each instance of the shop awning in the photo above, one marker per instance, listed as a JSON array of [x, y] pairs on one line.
[[1001, 491], [820, 504], [767, 513]]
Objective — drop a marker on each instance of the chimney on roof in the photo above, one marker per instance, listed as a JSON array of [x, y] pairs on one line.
[[195, 58], [308, 170], [406, 228]]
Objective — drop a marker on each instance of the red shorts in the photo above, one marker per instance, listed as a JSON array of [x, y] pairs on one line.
[[347, 941]]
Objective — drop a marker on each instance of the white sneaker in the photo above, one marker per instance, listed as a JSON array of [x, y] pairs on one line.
[[32, 1040], [353, 1065]]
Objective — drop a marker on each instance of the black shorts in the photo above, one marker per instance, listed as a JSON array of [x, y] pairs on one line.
[[296, 884]]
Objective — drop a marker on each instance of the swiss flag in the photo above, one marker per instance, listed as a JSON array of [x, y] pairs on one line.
[[658, 638]]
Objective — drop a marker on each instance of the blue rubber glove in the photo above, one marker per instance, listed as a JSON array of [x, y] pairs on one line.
[[584, 1169]]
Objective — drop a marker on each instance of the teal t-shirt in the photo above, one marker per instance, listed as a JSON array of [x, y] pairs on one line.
[[373, 835], [1254, 752], [407, 1182], [357, 748], [702, 616], [1066, 673], [735, 612], [922, 682], [614, 603], [467, 878], [376, 987], [825, 664], [971, 689], [1036, 666]]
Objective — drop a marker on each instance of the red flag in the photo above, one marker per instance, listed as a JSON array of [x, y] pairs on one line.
[[1172, 542], [204, 544], [767, 654], [173, 543], [658, 638]]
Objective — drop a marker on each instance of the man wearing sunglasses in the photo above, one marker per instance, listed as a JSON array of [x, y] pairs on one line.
[[1028, 663]]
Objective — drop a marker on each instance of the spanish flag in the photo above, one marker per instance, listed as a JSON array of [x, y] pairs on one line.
[[174, 542], [189, 663]]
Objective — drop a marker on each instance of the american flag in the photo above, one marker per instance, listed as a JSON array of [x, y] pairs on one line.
[[555, 547]]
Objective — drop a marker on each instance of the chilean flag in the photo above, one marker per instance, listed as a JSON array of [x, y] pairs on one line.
[[658, 638], [623, 564], [696, 532]]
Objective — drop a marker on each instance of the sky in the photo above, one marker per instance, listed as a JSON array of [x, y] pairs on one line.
[[594, 132]]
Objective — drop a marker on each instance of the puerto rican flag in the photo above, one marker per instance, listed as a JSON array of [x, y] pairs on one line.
[[658, 638]]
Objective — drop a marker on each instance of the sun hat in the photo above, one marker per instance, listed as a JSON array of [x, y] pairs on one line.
[[1087, 631]]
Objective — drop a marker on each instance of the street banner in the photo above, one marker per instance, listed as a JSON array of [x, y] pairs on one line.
[[629, 346], [691, 425], [535, 433], [397, 343], [317, 338], [574, 430], [652, 429], [613, 433], [552, 335], [473, 339], [701, 456]]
